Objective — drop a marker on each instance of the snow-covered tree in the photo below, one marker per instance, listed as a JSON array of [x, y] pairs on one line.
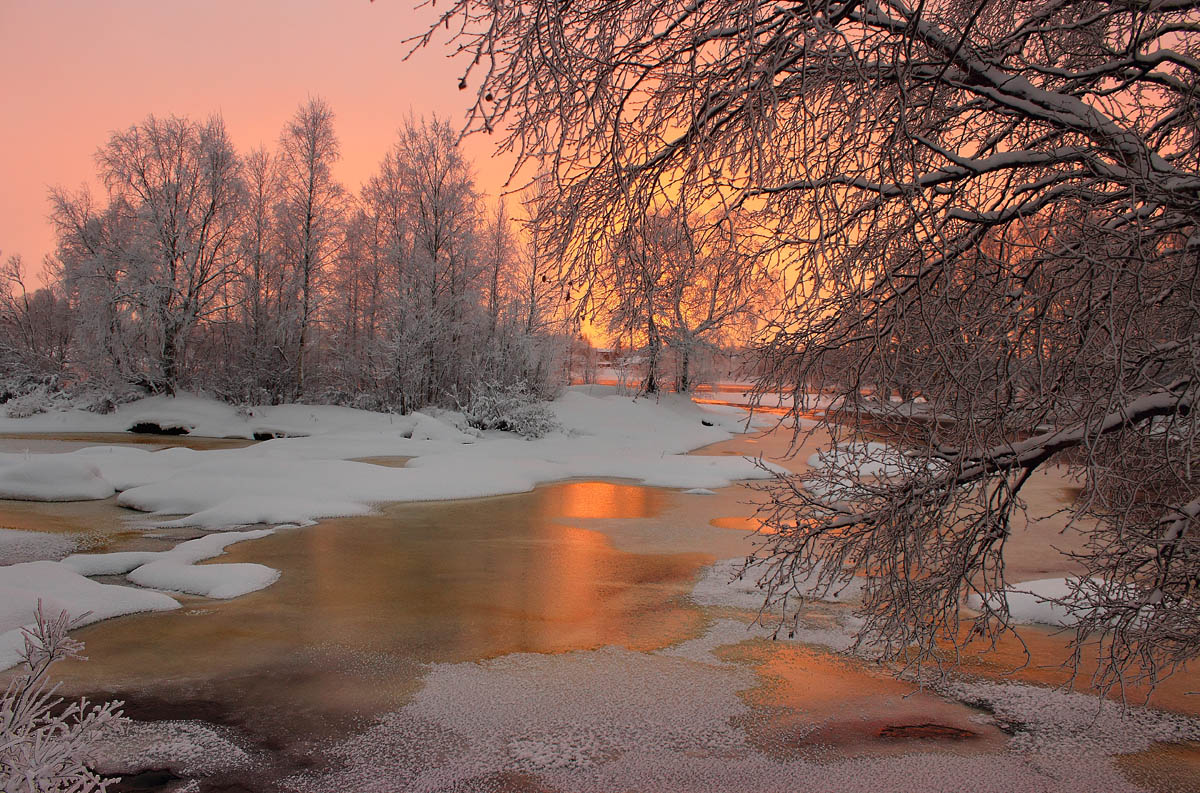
[[157, 259], [426, 193], [682, 283], [996, 200], [311, 212], [36, 328]]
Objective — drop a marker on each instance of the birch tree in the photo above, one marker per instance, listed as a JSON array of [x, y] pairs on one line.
[[1012, 184], [311, 214], [157, 259]]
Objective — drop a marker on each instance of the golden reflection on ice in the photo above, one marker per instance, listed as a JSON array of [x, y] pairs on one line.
[[363, 603]]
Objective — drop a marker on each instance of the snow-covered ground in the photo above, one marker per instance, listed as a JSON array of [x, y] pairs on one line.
[[308, 472]]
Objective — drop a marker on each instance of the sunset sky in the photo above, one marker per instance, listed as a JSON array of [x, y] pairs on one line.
[[71, 71]]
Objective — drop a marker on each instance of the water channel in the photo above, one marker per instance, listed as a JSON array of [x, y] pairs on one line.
[[366, 605]]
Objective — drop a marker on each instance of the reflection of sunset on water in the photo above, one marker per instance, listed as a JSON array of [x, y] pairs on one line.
[[601, 500], [363, 603]]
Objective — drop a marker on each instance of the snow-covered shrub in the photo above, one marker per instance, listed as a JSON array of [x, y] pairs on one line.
[[25, 406], [107, 400], [43, 747], [512, 408], [28, 395]]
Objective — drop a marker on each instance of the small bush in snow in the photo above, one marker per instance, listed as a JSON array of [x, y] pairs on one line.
[[41, 749], [26, 395], [512, 408], [105, 401]]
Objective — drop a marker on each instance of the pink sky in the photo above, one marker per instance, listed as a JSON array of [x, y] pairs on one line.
[[71, 71]]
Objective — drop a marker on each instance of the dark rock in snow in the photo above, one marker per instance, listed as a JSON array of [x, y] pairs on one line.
[[153, 428]]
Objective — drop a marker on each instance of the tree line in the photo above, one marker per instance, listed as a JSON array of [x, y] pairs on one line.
[[259, 277]]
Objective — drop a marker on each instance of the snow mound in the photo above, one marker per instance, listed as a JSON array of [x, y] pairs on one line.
[[61, 588], [176, 570], [53, 477], [699, 491], [221, 581], [1047, 601], [17, 546]]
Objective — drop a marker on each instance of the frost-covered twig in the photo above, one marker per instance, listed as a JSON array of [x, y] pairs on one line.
[[44, 747]]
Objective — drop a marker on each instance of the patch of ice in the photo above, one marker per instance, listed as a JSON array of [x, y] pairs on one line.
[[723, 584], [1052, 720], [699, 491], [721, 633], [182, 747], [543, 714], [18, 546], [613, 719]]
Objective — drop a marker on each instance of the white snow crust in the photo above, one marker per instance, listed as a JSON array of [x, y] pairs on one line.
[[614, 719]]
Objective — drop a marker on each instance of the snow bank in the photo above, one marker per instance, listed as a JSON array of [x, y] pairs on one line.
[[53, 478], [197, 415], [302, 479], [61, 588]]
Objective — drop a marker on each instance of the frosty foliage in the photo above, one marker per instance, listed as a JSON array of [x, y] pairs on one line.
[[259, 278], [988, 213], [43, 746], [512, 408]]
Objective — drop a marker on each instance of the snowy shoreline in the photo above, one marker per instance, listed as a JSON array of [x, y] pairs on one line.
[[308, 473]]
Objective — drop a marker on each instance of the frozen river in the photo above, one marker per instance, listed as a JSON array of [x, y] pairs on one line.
[[545, 641]]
